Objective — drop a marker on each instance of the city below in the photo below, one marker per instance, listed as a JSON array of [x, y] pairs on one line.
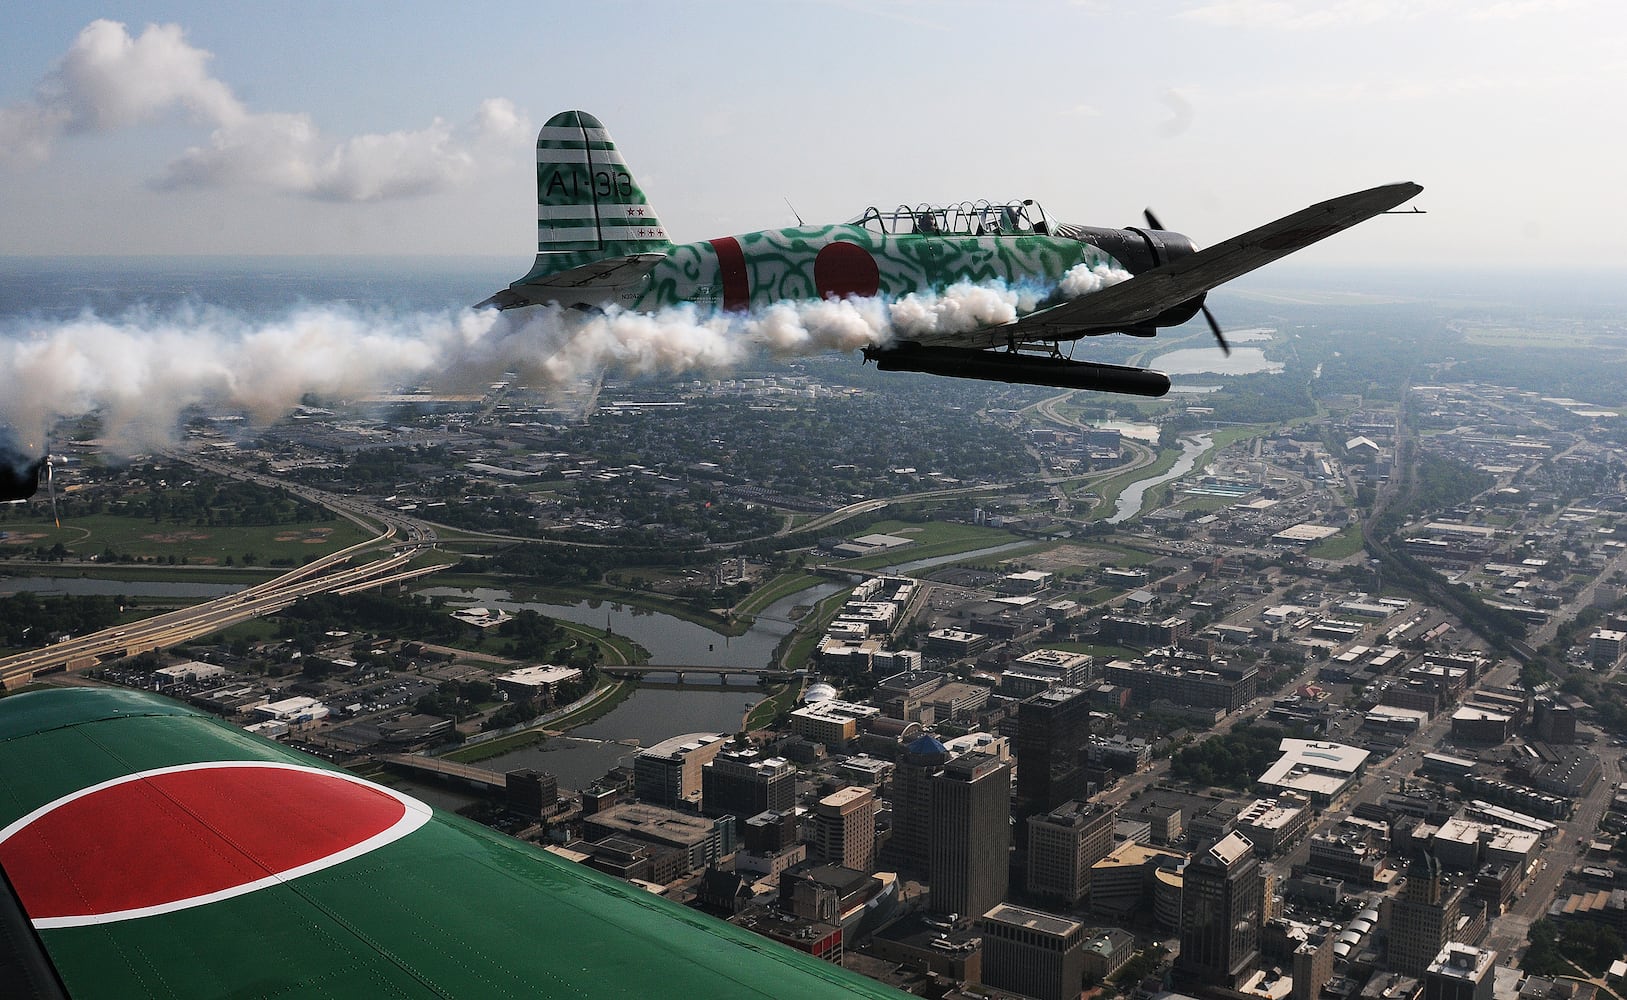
[[1304, 682]]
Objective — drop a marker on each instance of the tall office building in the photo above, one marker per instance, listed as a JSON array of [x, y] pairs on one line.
[[745, 782], [1053, 730], [669, 773], [769, 832], [1423, 917], [844, 829], [532, 793], [1221, 909], [1312, 960], [971, 834], [1034, 953], [911, 841], [1460, 972], [1063, 844]]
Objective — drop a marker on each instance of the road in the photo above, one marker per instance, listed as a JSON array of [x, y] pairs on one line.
[[1508, 932], [1141, 456], [399, 538]]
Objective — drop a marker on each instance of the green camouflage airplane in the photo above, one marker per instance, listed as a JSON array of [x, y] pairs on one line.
[[151, 851], [600, 244]]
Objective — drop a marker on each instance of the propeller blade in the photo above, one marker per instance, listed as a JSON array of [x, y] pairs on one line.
[[50, 483], [1214, 327]]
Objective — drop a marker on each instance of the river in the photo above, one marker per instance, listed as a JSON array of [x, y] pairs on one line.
[[673, 640], [651, 715], [1135, 495], [669, 639], [654, 714]]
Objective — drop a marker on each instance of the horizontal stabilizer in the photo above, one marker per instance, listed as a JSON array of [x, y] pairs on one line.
[[556, 288]]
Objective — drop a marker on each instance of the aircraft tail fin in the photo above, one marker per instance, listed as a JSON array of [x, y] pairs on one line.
[[588, 205]]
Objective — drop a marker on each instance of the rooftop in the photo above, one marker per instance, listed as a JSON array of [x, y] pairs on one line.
[[1036, 920], [1230, 849], [1463, 961], [1133, 855], [844, 797], [677, 746], [1269, 814], [546, 674]]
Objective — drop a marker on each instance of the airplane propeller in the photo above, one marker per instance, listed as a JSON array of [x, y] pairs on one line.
[[1214, 326], [50, 483]]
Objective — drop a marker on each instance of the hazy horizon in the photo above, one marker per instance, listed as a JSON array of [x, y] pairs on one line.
[[187, 128]]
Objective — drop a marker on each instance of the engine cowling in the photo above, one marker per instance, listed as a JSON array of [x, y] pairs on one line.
[[1142, 250]]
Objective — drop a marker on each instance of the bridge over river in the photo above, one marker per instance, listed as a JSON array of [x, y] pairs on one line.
[[639, 671], [469, 774]]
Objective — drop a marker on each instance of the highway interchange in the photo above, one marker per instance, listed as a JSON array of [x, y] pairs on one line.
[[378, 561]]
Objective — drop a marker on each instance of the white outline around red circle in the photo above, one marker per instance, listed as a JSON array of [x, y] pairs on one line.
[[416, 814]]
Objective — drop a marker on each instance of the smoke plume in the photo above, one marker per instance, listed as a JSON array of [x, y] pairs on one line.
[[141, 371]]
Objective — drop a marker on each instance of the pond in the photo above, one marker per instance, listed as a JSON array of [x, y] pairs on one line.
[[1136, 430], [1208, 360]]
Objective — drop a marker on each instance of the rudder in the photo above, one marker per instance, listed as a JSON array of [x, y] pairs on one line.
[[588, 205]]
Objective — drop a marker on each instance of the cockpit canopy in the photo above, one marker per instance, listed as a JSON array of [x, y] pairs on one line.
[[969, 218]]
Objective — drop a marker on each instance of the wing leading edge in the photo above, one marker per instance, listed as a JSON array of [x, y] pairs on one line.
[[1136, 302], [449, 909]]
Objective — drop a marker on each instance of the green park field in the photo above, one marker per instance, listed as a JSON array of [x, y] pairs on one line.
[[114, 538], [932, 539]]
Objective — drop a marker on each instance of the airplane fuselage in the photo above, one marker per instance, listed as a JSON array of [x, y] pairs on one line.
[[813, 262], [601, 244], [864, 259]]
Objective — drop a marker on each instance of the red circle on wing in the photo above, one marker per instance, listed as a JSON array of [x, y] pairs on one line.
[[177, 835], [843, 269]]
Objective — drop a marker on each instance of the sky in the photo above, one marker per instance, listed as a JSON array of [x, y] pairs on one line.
[[406, 128]]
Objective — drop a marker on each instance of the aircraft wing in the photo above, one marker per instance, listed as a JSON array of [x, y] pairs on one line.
[[1137, 301], [598, 272], [151, 851]]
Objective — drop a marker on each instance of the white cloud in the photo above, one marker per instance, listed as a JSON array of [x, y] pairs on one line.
[[1300, 14], [286, 152], [110, 80], [1311, 15], [27, 131], [1509, 10]]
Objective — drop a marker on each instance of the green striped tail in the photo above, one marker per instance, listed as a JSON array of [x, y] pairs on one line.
[[588, 205]]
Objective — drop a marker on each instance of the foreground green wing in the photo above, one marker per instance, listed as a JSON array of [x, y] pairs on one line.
[[433, 907]]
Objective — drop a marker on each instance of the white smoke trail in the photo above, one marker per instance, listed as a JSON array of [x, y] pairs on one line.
[[1086, 278], [140, 372]]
